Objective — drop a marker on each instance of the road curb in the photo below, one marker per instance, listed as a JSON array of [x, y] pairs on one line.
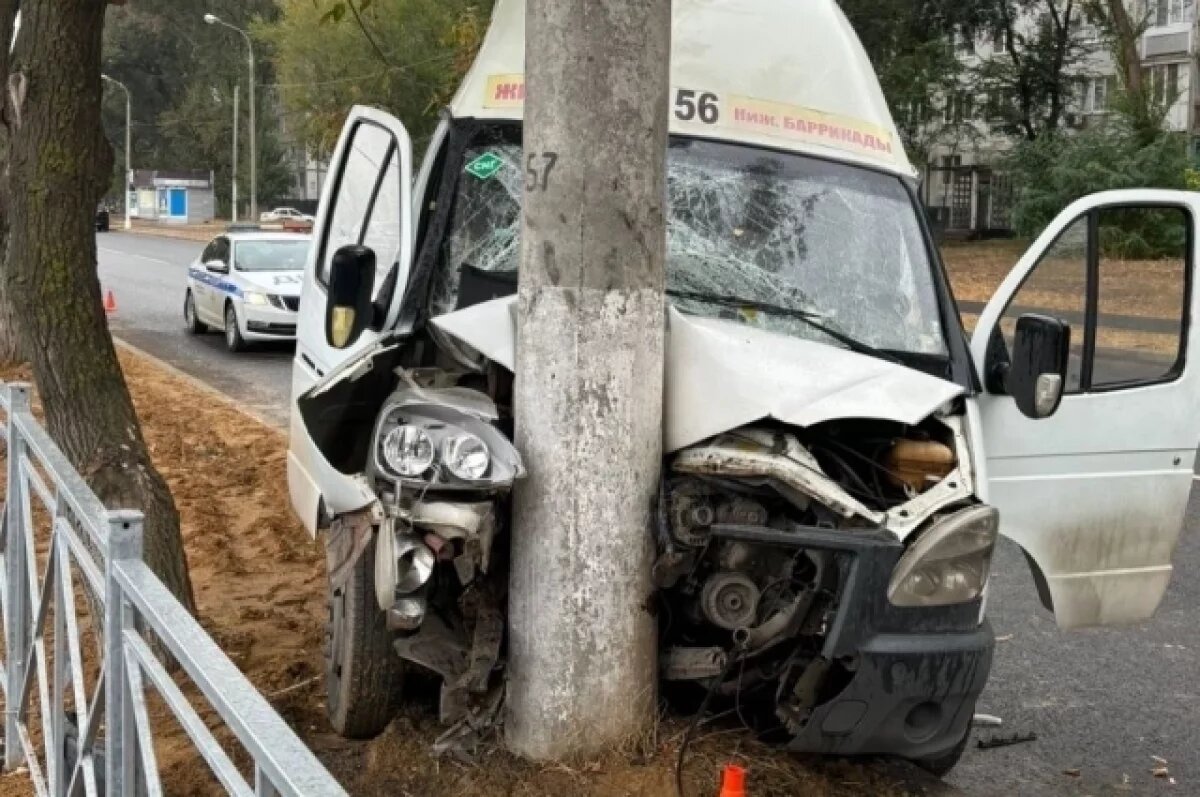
[[274, 426]]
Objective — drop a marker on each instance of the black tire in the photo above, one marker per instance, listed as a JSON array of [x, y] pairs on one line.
[[233, 334], [941, 765], [364, 676], [191, 321]]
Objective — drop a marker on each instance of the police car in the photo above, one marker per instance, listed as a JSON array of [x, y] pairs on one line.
[[247, 283]]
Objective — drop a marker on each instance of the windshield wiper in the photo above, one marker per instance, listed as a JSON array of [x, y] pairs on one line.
[[810, 317]]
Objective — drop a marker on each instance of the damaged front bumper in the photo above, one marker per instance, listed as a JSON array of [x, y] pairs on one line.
[[912, 695], [887, 680]]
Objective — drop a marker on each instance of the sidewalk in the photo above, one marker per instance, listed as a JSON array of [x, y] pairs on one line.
[[188, 232]]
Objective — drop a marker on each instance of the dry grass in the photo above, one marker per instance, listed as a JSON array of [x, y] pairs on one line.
[[976, 269]]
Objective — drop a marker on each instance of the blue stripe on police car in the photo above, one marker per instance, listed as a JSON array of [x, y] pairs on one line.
[[214, 280]]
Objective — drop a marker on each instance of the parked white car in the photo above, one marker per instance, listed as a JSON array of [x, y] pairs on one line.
[[248, 285], [284, 214]]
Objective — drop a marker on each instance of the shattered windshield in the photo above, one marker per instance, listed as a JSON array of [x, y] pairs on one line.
[[768, 239]]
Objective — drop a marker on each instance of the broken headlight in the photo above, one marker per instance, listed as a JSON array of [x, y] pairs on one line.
[[443, 439], [466, 456], [949, 563], [408, 451]]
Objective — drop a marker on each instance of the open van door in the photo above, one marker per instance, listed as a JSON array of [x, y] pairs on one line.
[[367, 201], [1096, 490]]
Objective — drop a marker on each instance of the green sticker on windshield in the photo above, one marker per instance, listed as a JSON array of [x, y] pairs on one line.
[[485, 166]]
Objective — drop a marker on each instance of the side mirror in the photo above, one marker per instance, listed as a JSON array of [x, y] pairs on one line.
[[216, 267], [351, 281], [1037, 374]]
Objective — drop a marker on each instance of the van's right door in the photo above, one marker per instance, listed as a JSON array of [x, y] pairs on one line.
[[366, 201], [1096, 493]]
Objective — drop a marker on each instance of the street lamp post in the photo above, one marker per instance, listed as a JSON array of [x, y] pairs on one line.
[[128, 139], [233, 182], [212, 19]]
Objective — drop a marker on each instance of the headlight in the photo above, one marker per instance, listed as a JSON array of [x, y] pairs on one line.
[[949, 563], [466, 456], [408, 451], [251, 297], [443, 439]]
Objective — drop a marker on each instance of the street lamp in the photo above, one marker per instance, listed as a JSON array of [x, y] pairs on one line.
[[128, 136], [212, 19]]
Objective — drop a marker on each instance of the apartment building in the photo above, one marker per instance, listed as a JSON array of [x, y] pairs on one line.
[[968, 194]]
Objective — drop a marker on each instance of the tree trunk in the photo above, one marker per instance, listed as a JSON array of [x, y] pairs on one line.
[[1058, 84], [1126, 35], [1024, 92], [9, 351], [60, 167], [588, 403]]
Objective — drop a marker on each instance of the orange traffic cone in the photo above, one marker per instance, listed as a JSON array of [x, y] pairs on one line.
[[110, 303], [733, 782]]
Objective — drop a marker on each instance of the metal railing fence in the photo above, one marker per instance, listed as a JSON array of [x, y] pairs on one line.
[[43, 668]]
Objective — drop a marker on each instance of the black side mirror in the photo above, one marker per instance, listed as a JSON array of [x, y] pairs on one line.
[[1037, 374], [216, 267], [351, 280]]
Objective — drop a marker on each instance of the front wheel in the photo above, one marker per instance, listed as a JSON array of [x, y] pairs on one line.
[[233, 334], [363, 673], [191, 321]]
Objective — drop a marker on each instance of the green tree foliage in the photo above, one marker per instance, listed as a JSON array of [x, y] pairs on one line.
[[1122, 28], [1054, 171], [910, 43], [1130, 149], [1033, 74], [406, 56], [181, 73]]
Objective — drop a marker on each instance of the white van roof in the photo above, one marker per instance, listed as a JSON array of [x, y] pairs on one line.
[[785, 74]]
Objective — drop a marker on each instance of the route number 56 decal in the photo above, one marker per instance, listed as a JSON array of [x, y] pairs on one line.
[[690, 105]]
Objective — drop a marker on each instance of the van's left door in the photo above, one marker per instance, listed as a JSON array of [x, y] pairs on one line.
[[1096, 494], [366, 201]]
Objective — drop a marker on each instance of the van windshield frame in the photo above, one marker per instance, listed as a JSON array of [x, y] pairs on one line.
[[931, 336]]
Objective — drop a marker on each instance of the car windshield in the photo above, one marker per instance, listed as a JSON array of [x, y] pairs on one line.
[[270, 255], [773, 240]]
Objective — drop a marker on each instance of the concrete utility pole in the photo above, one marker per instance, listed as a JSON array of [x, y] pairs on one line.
[[588, 398]]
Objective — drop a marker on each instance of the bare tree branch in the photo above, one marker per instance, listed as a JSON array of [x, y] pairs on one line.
[[367, 34], [1024, 90], [1062, 44]]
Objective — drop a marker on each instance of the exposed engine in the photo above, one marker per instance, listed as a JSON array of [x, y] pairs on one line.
[[747, 593]]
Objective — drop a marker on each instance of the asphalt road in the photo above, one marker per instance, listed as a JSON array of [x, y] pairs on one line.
[[147, 277], [1101, 702]]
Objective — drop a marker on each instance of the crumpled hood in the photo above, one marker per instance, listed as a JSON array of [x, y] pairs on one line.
[[281, 283], [722, 375]]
